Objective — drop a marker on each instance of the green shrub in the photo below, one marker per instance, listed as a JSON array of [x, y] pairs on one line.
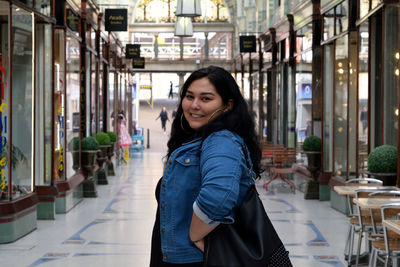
[[74, 144], [312, 143], [113, 136], [383, 159], [103, 138], [90, 143]]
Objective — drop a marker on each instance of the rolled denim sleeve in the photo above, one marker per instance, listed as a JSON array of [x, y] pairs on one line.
[[221, 166]]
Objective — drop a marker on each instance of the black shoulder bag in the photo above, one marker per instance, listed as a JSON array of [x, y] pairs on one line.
[[251, 241]]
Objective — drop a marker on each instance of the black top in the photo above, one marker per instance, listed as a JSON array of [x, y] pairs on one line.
[[156, 255]]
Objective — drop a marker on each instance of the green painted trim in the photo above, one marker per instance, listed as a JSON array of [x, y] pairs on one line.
[[46, 210], [324, 192], [71, 199], [339, 203], [11, 231]]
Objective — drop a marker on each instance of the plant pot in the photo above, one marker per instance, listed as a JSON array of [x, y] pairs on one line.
[[387, 178], [102, 154], [75, 160], [88, 159], [314, 161], [111, 150]]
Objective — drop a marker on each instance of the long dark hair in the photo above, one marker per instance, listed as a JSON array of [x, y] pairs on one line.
[[237, 120]]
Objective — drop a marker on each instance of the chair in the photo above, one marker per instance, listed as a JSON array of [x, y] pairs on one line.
[[369, 219], [137, 143], [388, 247], [354, 226]]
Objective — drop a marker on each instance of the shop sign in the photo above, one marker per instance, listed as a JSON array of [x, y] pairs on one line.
[[132, 51], [72, 20], [3, 123], [305, 92], [248, 44], [138, 63], [116, 20]]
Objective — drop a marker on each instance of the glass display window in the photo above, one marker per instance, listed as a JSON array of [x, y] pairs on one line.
[[22, 161], [304, 38], [342, 17], [43, 103], [5, 190], [329, 24], [44, 7], [341, 106], [111, 98], [93, 102], [328, 83], [72, 99], [59, 105]]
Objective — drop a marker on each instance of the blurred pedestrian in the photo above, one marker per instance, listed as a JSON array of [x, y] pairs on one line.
[[164, 118]]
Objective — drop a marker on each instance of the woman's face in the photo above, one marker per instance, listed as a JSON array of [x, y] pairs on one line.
[[200, 102]]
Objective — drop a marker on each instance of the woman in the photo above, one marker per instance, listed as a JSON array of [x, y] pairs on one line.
[[205, 177], [164, 117]]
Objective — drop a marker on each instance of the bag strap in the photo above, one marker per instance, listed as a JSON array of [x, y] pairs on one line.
[[248, 164]]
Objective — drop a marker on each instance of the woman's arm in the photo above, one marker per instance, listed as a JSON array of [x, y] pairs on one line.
[[198, 230]]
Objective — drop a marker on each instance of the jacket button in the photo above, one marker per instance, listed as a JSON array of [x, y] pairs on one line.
[[187, 160], [162, 206], [169, 161], [163, 184], [165, 256], [162, 230]]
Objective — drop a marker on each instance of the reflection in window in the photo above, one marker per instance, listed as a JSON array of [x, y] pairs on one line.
[[328, 96], [22, 90], [363, 97], [43, 104], [340, 108], [59, 109], [4, 100], [342, 17], [391, 76], [72, 101], [111, 92], [329, 24], [93, 102]]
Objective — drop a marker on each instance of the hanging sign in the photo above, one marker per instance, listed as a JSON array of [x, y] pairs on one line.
[[248, 44], [132, 51], [138, 63], [116, 20]]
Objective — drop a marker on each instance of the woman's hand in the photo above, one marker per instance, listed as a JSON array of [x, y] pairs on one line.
[[200, 244]]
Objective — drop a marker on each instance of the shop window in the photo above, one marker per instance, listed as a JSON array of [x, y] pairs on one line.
[[341, 106], [72, 99], [88, 92], [44, 7], [22, 101], [364, 7], [352, 107], [43, 104], [329, 63], [304, 38], [59, 107], [4, 100], [363, 77], [111, 98], [391, 75], [93, 102], [329, 24], [100, 99], [342, 17]]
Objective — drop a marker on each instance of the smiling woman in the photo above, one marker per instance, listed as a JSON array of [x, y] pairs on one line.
[[206, 167]]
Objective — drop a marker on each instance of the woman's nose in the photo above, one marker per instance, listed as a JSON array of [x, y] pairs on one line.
[[195, 104]]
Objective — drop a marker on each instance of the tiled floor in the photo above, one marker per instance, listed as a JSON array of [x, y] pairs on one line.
[[114, 229]]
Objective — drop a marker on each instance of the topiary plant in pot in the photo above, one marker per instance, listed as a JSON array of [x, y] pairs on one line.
[[104, 144], [312, 148], [113, 139], [90, 147], [382, 164]]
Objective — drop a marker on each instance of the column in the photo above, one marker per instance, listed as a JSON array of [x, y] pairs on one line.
[[156, 45], [206, 48]]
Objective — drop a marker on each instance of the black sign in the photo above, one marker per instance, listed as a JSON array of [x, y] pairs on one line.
[[116, 20], [132, 51], [248, 44], [138, 63], [72, 20]]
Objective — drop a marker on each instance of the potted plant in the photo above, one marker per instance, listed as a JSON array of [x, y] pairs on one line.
[[312, 148], [104, 144], [89, 147], [113, 140], [382, 164]]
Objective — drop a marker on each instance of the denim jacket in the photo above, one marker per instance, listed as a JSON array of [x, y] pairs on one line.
[[209, 178]]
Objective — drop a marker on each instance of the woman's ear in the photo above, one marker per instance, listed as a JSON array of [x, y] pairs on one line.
[[229, 105]]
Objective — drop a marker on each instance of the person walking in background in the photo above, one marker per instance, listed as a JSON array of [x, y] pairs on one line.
[[174, 113], [364, 118], [206, 177], [171, 86], [164, 118], [124, 139]]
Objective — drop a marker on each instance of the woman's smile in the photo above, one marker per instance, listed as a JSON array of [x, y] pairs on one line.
[[201, 103]]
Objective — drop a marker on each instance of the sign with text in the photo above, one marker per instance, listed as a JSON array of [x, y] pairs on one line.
[[306, 92], [116, 20], [132, 51], [138, 63], [248, 44]]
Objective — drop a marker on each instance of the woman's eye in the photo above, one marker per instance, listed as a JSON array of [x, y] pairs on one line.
[[205, 99], [189, 96]]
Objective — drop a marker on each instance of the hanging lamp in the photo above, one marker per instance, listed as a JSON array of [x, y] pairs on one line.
[[183, 27], [188, 8]]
